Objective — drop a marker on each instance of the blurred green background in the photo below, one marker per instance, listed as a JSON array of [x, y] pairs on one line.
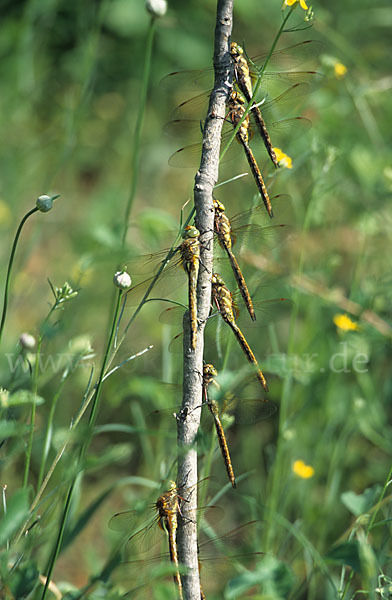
[[71, 80]]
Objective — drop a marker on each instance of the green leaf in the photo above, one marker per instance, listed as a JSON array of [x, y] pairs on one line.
[[84, 518], [346, 554], [23, 397], [358, 504], [23, 579], [271, 575], [11, 429], [17, 512]]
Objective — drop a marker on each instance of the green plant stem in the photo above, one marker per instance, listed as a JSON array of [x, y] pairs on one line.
[[370, 525], [83, 449], [258, 84], [279, 471], [139, 125], [49, 426], [35, 390], [32, 416], [10, 263]]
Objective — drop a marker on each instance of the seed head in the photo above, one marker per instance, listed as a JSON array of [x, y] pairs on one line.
[[44, 203], [156, 8], [122, 280], [27, 341]]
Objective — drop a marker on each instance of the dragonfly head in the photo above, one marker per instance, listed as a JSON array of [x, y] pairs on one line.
[[219, 207], [209, 371], [216, 279], [190, 231], [237, 98], [235, 50]]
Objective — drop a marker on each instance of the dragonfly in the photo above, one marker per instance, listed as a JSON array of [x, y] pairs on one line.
[[167, 507], [189, 259], [213, 555], [209, 372], [223, 299], [236, 394], [185, 124], [237, 107], [251, 227], [244, 83], [225, 233], [283, 62], [268, 310]]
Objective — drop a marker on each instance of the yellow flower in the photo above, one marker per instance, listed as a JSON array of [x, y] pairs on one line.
[[302, 470], [340, 70], [283, 159], [301, 2], [5, 213], [344, 323]]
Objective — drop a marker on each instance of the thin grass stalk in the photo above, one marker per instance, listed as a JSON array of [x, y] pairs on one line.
[[32, 416], [49, 427], [278, 475], [83, 450], [9, 270], [35, 390], [139, 126]]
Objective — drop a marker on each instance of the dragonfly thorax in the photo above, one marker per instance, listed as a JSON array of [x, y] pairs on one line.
[[222, 298], [222, 229]]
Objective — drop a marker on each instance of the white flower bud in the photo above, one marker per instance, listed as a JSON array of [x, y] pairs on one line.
[[27, 341], [44, 203], [122, 280], [156, 8]]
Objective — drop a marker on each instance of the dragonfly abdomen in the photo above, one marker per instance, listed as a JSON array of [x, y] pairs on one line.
[[222, 442], [241, 283], [248, 352], [257, 177]]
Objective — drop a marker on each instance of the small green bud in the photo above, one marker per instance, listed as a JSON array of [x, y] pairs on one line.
[[62, 294], [122, 280], [44, 203], [156, 8], [27, 341]]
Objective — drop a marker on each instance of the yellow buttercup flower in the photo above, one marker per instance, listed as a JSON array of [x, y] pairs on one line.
[[5, 213], [340, 70], [302, 3], [283, 159], [302, 469], [344, 323]]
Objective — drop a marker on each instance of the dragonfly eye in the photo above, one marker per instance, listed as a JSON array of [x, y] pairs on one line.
[[236, 50], [216, 279], [218, 206], [190, 232]]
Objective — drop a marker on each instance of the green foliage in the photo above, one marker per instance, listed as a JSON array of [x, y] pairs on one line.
[[12, 519]]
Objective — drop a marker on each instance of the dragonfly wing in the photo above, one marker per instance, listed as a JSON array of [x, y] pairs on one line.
[[187, 129], [189, 80], [313, 78], [295, 127], [290, 57], [142, 536], [160, 286], [285, 59], [189, 156], [246, 411]]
